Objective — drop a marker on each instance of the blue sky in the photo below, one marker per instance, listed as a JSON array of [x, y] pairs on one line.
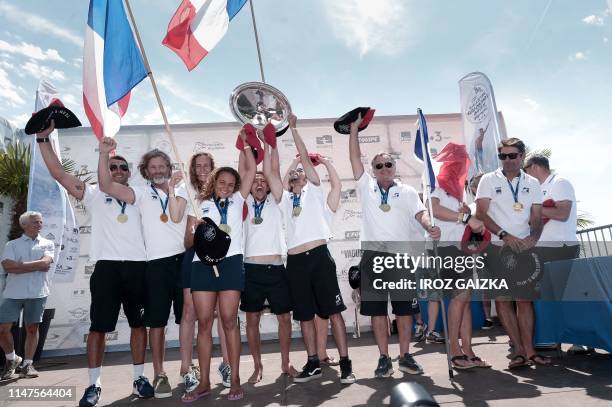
[[549, 62]]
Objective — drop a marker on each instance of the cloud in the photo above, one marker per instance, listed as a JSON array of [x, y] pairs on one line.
[[531, 103], [21, 120], [605, 39], [593, 20], [382, 26], [36, 23], [8, 90], [40, 71], [32, 51], [578, 56]]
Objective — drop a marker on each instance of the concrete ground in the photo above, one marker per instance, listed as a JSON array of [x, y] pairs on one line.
[[572, 380]]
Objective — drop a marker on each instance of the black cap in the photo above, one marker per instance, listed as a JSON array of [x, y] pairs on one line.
[[210, 243], [63, 117], [343, 124], [354, 277]]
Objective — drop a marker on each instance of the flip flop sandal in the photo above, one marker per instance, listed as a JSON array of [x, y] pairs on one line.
[[186, 398], [479, 362], [534, 359], [457, 366], [522, 362], [328, 361], [234, 397]]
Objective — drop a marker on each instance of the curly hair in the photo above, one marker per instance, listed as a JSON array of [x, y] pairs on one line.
[[209, 187], [193, 176], [144, 162]]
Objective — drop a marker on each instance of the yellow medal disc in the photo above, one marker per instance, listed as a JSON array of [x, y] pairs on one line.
[[517, 206], [226, 228], [297, 210], [385, 207], [122, 218], [163, 217]]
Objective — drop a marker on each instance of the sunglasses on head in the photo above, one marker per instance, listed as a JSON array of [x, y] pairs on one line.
[[379, 166], [503, 156], [122, 167]]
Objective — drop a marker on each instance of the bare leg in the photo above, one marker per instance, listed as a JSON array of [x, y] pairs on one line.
[[404, 330], [455, 315], [96, 342], [284, 337], [157, 341], [31, 341], [321, 333], [228, 307], [187, 331], [204, 305], [6, 338], [138, 344], [525, 322], [506, 313], [339, 331], [254, 339], [433, 308], [486, 305], [379, 326], [222, 338], [466, 330], [309, 336]]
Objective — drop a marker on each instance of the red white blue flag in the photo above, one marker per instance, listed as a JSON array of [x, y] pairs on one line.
[[421, 151]]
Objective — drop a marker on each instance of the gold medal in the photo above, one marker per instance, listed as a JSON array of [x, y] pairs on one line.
[[385, 207], [122, 218], [163, 217], [226, 228], [296, 211], [517, 206], [257, 220]]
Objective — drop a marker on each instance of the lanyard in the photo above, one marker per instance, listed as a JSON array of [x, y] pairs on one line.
[[122, 205], [384, 195], [164, 204], [222, 206], [514, 191], [296, 200], [258, 207]]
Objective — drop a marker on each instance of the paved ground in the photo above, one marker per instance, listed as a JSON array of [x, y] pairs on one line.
[[572, 381]]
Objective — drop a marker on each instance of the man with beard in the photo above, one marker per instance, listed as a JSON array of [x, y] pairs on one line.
[[164, 242], [118, 250]]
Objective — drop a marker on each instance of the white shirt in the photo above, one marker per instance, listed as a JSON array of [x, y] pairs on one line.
[[111, 239], [34, 284], [161, 239], [267, 238], [451, 231], [556, 232], [311, 224], [208, 209], [494, 186], [395, 225]]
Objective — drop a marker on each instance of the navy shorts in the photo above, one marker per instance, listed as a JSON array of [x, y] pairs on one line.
[[163, 291], [186, 268], [265, 282], [231, 275]]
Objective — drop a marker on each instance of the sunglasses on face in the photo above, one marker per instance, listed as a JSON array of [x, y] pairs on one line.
[[503, 156], [388, 164], [122, 167]]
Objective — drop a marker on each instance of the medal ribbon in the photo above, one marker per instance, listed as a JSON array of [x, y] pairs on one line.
[[296, 200], [514, 191], [222, 207], [122, 205], [258, 207], [164, 204], [384, 195]]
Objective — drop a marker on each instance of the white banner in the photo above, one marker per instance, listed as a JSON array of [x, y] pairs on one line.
[[481, 127]]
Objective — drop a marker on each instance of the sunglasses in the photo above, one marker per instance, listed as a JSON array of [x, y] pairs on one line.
[[503, 156], [122, 167], [379, 166]]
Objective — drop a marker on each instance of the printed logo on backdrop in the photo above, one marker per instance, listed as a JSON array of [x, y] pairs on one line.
[[348, 195], [110, 336], [324, 140], [89, 269], [78, 314], [86, 230], [163, 145], [405, 136], [369, 139], [351, 253], [78, 293], [349, 214], [478, 106], [351, 235], [200, 146]]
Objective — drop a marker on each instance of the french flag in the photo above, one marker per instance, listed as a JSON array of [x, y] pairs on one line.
[[112, 66], [197, 26], [421, 151]]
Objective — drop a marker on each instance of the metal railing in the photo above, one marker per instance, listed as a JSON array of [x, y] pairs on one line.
[[595, 241]]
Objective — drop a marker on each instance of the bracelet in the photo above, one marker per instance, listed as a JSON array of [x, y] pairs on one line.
[[42, 139], [466, 218], [245, 148]]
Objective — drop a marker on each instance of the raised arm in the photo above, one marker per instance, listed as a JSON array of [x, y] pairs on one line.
[[271, 173], [250, 167], [292, 166], [333, 197], [355, 150], [73, 185], [309, 170], [105, 180]]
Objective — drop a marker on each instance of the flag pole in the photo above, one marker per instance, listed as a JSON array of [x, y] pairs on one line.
[[261, 70], [432, 219], [164, 116]]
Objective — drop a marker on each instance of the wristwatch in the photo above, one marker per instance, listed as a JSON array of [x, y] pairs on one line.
[[42, 139], [502, 233]]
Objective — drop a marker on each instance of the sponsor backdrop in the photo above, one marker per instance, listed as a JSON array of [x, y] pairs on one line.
[[394, 134]]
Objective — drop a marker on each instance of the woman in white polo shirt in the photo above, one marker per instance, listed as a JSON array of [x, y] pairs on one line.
[[222, 201]]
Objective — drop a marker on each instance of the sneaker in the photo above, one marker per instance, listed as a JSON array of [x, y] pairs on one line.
[[10, 366], [196, 370], [487, 324], [225, 371], [91, 397], [312, 370], [408, 365], [419, 331], [142, 388], [384, 368], [28, 371], [434, 337], [161, 386], [346, 372], [580, 350], [190, 381]]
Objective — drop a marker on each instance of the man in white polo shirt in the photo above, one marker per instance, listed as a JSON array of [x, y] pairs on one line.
[[26, 260], [118, 250], [509, 202], [164, 243], [388, 207]]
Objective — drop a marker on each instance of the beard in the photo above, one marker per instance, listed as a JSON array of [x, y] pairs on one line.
[[159, 179]]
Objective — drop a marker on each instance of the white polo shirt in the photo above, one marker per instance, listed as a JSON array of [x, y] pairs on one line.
[[311, 224], [395, 225], [111, 239], [555, 232], [34, 284], [451, 231], [208, 209], [161, 239], [494, 186], [266, 238]]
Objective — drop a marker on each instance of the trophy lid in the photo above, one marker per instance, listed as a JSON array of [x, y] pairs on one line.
[[257, 103]]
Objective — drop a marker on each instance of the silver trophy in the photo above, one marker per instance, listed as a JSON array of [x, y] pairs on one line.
[[257, 103]]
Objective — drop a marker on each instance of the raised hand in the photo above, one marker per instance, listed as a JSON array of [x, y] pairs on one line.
[[107, 144]]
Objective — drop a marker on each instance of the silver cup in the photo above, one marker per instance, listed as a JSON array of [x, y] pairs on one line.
[[257, 103]]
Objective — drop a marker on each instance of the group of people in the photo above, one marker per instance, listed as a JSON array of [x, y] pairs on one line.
[[143, 237]]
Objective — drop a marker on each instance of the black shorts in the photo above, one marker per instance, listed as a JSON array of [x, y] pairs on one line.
[[265, 282], [313, 284], [112, 284], [564, 252], [186, 268], [163, 291], [231, 275], [374, 301]]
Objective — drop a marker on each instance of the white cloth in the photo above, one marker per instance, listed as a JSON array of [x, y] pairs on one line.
[[268, 237], [556, 232], [111, 239], [494, 186], [34, 284], [451, 231]]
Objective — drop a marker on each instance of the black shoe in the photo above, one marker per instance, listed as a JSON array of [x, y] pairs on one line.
[[346, 372], [91, 398], [407, 364], [384, 368], [487, 324], [312, 370], [142, 388]]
